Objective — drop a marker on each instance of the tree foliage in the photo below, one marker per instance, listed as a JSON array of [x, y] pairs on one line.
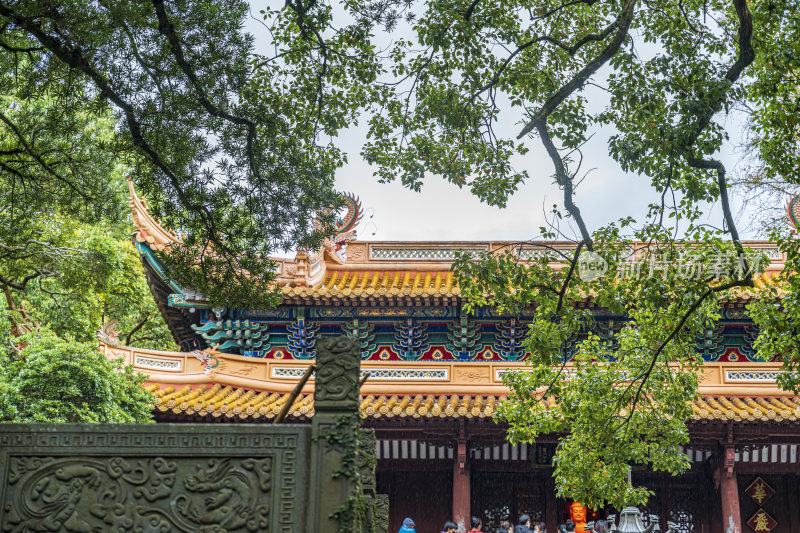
[[229, 150], [234, 150], [664, 79], [55, 380], [65, 253], [91, 275]]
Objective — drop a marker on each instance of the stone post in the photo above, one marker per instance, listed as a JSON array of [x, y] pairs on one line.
[[366, 469], [381, 513], [335, 428]]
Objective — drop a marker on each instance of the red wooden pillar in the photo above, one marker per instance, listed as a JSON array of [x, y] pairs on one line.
[[461, 496], [551, 509], [729, 491]]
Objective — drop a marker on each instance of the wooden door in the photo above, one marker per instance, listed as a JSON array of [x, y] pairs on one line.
[[498, 496]]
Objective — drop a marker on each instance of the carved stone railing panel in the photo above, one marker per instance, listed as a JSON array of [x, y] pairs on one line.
[[165, 477], [381, 513], [204, 478], [366, 461]]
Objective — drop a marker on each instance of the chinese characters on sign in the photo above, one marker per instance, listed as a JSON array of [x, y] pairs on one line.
[[541, 455], [760, 491], [762, 522]]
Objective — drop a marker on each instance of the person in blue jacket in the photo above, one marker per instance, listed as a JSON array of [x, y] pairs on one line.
[[408, 526]]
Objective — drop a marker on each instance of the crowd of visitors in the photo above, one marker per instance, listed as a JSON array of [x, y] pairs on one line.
[[524, 525]]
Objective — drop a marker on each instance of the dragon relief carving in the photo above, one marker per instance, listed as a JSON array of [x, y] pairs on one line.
[[381, 513], [338, 363], [93, 495], [243, 370]]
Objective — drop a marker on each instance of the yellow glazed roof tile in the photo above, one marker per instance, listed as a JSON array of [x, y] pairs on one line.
[[366, 284], [355, 284], [243, 403]]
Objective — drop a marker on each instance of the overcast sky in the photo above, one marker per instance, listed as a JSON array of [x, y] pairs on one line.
[[442, 211]]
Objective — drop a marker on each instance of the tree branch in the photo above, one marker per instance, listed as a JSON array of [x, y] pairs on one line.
[[470, 9], [592, 37], [37, 157], [563, 290], [748, 282], [15, 49], [136, 328], [571, 50], [19, 285], [539, 120], [723, 194], [622, 24], [565, 182], [74, 58], [745, 58], [167, 29]]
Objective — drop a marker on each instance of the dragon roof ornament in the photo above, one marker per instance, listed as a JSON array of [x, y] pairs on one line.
[[345, 226], [354, 214], [306, 269]]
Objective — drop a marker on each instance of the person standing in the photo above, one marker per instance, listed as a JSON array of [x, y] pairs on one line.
[[506, 527], [450, 527], [524, 525], [570, 526], [475, 525]]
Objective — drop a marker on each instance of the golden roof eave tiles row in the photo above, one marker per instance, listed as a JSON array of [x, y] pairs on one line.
[[376, 284], [387, 284], [216, 401]]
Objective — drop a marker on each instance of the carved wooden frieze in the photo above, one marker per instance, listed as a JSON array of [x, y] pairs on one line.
[[469, 374]]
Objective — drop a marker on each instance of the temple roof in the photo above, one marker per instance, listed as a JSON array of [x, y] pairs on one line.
[[346, 272], [356, 273], [218, 401], [249, 388], [378, 268], [436, 286]]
